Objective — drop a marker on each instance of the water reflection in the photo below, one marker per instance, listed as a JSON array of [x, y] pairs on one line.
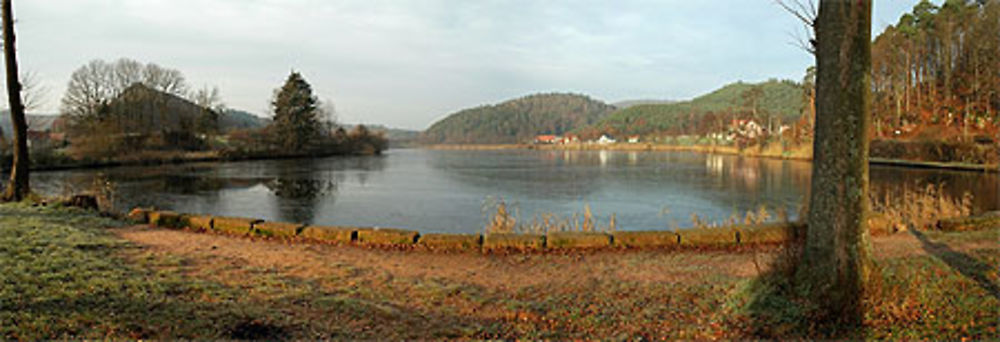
[[442, 191]]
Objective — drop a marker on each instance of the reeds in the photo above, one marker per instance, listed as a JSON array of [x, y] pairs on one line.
[[920, 206], [500, 220]]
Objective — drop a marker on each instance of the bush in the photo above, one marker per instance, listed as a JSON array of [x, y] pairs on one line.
[[962, 151]]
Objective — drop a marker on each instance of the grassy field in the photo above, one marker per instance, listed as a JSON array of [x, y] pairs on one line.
[[70, 274]]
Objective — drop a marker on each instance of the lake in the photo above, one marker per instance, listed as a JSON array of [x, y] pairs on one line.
[[451, 191]]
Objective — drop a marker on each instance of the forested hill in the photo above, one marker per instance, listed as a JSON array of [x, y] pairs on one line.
[[517, 120], [779, 99]]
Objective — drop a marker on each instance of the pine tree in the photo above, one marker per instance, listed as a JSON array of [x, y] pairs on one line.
[[296, 115]]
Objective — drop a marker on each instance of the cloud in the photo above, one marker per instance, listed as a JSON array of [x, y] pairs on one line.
[[406, 63]]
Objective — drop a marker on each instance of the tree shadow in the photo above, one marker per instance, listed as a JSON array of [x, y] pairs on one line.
[[964, 264]]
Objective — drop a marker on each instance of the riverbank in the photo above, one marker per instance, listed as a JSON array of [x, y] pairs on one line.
[[154, 158], [802, 153], [76, 275]]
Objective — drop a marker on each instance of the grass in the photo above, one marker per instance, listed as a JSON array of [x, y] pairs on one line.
[[943, 293], [66, 275]]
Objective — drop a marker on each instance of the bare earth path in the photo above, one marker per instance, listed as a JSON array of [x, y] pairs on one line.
[[414, 294]]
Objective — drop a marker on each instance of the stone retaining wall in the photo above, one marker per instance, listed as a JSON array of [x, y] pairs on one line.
[[708, 238]]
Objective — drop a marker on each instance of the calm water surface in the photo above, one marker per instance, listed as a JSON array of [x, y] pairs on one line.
[[446, 191]]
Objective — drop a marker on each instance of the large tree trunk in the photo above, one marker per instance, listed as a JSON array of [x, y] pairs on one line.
[[835, 259], [18, 188]]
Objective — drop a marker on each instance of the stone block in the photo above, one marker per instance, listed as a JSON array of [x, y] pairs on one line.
[[645, 239], [277, 229], [767, 234], [708, 237], [234, 225], [451, 242], [199, 222], [517, 242], [139, 215], [166, 219], [387, 236], [577, 240], [330, 234]]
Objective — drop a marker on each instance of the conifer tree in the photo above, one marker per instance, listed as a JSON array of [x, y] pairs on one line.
[[296, 115]]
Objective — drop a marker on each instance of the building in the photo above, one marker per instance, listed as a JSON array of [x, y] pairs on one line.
[[570, 139], [746, 128], [633, 139], [547, 139], [606, 139]]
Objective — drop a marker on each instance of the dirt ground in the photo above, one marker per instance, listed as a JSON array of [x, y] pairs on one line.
[[509, 272], [545, 295]]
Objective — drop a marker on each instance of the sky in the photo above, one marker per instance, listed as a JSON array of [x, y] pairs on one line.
[[407, 64]]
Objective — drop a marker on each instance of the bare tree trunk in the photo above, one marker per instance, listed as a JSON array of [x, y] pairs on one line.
[[18, 188], [835, 260]]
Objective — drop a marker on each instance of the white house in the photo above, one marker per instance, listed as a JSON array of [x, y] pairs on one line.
[[605, 139]]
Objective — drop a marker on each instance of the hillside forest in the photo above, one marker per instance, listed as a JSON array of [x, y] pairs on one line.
[[936, 96]]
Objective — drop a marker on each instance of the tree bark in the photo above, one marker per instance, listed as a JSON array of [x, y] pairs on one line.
[[18, 188], [835, 259]]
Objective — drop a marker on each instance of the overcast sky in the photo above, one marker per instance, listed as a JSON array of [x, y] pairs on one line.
[[409, 63]]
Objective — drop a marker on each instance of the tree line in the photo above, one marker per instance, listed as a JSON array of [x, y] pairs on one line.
[[939, 66]]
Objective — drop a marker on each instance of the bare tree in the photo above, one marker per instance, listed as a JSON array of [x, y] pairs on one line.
[[98, 82], [19, 186], [210, 101], [836, 256], [328, 114], [89, 86], [207, 97], [33, 92], [804, 11]]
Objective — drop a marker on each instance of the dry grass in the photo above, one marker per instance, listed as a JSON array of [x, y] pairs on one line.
[[500, 220], [920, 206]]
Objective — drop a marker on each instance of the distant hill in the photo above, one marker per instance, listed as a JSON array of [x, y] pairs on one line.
[[783, 99], [36, 122], [233, 119], [397, 137], [630, 103], [517, 120]]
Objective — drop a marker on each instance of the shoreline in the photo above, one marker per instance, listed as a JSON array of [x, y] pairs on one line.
[[796, 154], [178, 159]]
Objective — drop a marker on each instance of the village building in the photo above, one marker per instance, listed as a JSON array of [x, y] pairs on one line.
[[547, 139]]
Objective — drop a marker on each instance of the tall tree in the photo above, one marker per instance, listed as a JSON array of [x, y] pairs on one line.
[[835, 259], [19, 187], [296, 114]]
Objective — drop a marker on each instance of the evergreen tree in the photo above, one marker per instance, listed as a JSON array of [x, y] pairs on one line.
[[296, 114]]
